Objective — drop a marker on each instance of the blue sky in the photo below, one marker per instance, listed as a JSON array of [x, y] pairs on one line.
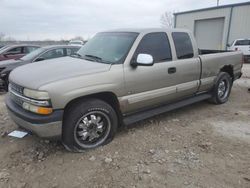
[[64, 19]]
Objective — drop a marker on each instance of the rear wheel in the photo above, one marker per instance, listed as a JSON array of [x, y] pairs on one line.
[[222, 88], [87, 125]]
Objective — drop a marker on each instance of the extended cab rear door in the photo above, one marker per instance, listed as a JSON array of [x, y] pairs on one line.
[[186, 63]]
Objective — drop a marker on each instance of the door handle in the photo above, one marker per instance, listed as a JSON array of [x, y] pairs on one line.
[[171, 70]]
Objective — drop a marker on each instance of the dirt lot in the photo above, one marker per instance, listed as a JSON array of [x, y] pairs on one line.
[[202, 145]]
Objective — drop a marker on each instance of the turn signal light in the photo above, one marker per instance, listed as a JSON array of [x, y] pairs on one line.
[[44, 111]]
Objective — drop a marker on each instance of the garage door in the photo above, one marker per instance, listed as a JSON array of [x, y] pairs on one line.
[[209, 33]]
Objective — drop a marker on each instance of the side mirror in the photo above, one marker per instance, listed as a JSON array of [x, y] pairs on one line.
[[39, 59], [144, 60]]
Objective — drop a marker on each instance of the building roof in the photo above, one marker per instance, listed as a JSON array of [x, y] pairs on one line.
[[147, 30], [212, 8]]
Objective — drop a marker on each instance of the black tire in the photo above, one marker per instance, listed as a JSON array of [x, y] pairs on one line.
[[6, 83], [224, 83], [80, 134], [6, 86]]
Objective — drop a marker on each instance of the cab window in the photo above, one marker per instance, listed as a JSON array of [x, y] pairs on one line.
[[13, 51], [242, 43], [53, 54], [183, 45], [71, 51], [157, 45], [28, 49]]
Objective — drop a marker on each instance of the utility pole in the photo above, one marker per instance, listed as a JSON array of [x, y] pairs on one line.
[[218, 2]]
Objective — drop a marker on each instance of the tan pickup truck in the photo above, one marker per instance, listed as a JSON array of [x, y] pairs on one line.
[[117, 78]]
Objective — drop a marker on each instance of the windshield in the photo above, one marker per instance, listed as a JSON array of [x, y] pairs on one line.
[[109, 47], [32, 55], [3, 49], [242, 43]]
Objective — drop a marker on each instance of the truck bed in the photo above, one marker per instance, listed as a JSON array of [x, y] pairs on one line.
[[212, 61], [206, 51]]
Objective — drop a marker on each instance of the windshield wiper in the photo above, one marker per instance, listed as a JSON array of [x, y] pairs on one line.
[[97, 59], [94, 57], [76, 55]]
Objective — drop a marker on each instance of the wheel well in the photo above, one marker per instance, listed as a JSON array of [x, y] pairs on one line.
[[108, 97], [228, 69]]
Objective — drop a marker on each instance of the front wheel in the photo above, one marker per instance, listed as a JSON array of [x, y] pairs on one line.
[[87, 125], [6, 82], [222, 88]]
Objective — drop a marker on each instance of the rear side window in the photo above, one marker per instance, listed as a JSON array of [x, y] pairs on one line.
[[71, 51], [28, 49], [17, 50], [55, 53], [157, 45], [242, 43], [183, 45]]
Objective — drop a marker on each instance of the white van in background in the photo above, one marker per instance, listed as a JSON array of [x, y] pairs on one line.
[[241, 45]]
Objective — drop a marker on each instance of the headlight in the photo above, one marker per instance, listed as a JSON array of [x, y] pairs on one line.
[[31, 100], [40, 95], [37, 102]]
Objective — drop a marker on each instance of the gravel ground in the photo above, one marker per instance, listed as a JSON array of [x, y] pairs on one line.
[[202, 145]]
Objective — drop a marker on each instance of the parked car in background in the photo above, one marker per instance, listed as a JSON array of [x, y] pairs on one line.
[[16, 51], [76, 42], [118, 77], [241, 45], [44, 53]]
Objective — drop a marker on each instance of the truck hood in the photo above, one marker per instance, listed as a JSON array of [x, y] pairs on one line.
[[40, 73]]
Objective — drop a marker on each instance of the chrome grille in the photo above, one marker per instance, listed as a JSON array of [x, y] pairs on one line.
[[16, 88], [16, 99]]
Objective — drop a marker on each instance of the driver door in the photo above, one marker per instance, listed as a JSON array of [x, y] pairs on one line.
[[150, 85]]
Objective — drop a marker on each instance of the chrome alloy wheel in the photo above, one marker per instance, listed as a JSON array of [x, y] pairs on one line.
[[92, 129], [223, 89]]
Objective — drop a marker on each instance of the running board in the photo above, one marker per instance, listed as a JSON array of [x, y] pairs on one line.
[[130, 119]]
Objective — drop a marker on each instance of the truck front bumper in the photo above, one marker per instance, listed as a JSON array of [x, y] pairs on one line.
[[49, 126]]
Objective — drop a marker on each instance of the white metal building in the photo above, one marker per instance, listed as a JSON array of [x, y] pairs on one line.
[[215, 27]]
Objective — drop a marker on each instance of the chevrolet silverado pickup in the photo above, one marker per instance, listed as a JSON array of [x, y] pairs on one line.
[[117, 78]]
